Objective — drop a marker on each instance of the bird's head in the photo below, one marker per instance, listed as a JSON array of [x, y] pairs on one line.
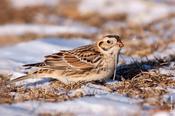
[[110, 44]]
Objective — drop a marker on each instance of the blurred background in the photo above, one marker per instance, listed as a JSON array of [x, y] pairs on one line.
[[149, 23]]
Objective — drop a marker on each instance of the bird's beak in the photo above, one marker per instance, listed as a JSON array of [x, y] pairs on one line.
[[120, 44]]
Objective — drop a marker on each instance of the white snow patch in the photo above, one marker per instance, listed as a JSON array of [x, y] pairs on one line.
[[27, 3], [20, 29], [90, 89], [80, 107], [162, 114]]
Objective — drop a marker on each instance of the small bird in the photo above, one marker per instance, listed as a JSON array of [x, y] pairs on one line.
[[86, 63]]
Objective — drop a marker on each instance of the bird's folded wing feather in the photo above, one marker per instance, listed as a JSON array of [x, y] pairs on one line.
[[67, 59]]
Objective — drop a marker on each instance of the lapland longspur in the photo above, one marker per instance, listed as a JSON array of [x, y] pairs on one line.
[[85, 63]]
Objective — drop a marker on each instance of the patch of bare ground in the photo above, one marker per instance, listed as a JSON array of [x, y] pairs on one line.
[[145, 85], [5, 96], [10, 93], [146, 39], [57, 114], [4, 40], [149, 86], [65, 8], [69, 9], [55, 92], [9, 14]]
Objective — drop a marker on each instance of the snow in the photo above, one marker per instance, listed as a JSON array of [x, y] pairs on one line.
[[138, 11], [41, 29], [162, 114], [96, 106], [91, 89], [26, 3]]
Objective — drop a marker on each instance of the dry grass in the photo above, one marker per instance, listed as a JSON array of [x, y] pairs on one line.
[[50, 93], [8, 14], [145, 85], [5, 96], [136, 36], [66, 8], [151, 87], [57, 114], [4, 40], [69, 9]]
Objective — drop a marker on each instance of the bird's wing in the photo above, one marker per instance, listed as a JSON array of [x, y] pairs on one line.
[[76, 59]]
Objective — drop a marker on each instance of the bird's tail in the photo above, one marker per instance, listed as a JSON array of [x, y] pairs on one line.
[[29, 66], [43, 73], [21, 78]]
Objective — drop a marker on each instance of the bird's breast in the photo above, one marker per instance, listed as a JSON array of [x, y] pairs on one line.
[[107, 66]]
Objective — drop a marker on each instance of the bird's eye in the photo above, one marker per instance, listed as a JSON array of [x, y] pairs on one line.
[[109, 42]]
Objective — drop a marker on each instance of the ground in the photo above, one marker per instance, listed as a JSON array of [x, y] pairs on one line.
[[144, 76]]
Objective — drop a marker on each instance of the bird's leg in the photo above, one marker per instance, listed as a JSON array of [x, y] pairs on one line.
[[114, 70], [115, 65]]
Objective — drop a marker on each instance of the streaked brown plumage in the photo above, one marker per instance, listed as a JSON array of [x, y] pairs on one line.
[[86, 63]]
